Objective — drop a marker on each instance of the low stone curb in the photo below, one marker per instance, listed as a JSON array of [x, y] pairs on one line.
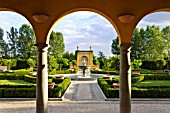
[[140, 99]]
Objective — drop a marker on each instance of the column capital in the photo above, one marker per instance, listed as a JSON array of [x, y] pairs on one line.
[[42, 46], [125, 46]]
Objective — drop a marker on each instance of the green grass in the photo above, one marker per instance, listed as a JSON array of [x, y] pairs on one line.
[[14, 82], [151, 83]]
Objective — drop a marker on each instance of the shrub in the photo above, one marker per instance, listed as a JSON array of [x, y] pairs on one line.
[[18, 92], [59, 89], [57, 81], [30, 78], [105, 72], [156, 76], [136, 64], [21, 72], [11, 76], [137, 79], [55, 92], [160, 64], [22, 64], [115, 79], [17, 86], [103, 85], [112, 93]]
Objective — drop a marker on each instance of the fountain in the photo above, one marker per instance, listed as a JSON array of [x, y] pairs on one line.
[[83, 67]]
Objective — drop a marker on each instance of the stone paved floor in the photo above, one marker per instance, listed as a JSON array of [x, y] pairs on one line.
[[85, 97], [85, 107], [84, 91]]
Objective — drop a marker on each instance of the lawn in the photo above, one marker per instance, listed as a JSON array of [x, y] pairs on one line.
[[14, 82], [153, 83]]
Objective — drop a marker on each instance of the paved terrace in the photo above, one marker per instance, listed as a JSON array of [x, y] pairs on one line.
[[86, 97]]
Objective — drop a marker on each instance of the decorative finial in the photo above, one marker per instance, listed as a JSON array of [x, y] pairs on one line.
[[90, 47], [77, 47]]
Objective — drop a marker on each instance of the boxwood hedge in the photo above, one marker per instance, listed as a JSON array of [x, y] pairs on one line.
[[147, 92], [29, 91]]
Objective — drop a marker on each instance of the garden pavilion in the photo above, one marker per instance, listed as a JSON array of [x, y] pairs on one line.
[[124, 15]]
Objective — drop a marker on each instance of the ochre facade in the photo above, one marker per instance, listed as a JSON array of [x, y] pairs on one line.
[[85, 58]]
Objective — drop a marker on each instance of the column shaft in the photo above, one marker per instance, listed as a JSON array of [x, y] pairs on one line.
[[125, 78], [42, 80]]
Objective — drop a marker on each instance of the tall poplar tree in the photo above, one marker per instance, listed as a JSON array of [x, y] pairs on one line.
[[12, 37], [25, 43], [56, 42]]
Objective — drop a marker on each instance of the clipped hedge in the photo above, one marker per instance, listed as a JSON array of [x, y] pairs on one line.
[[56, 92], [18, 92], [30, 78], [29, 91], [103, 85], [59, 89], [156, 76], [140, 93], [18, 86], [11, 76], [137, 79], [146, 92], [15, 75], [56, 80], [105, 72], [21, 72]]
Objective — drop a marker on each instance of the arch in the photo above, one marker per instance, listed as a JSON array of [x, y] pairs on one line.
[[151, 12], [17, 12], [81, 9], [84, 60]]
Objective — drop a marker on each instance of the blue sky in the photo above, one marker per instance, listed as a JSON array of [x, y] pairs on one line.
[[85, 28]]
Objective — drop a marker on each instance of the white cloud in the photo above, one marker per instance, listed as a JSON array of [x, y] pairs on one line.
[[85, 28], [160, 19]]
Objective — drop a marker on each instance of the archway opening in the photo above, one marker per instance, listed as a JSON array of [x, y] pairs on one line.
[[18, 55], [88, 36], [87, 31], [150, 55]]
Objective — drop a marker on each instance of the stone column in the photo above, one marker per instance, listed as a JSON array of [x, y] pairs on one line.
[[125, 78], [42, 80]]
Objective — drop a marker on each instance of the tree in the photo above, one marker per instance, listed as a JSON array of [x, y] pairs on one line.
[[3, 44], [166, 37], [138, 42], [107, 65], [101, 58], [52, 64], [115, 46], [101, 54], [25, 43], [115, 62], [56, 44], [136, 64], [95, 61], [155, 43], [31, 63], [12, 37], [69, 56], [74, 62]]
